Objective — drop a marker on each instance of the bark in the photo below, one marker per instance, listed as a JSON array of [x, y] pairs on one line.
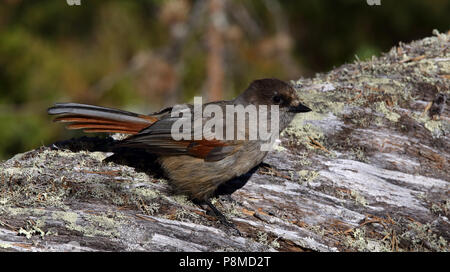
[[367, 170]]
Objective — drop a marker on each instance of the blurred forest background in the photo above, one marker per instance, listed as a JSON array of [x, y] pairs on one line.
[[144, 54]]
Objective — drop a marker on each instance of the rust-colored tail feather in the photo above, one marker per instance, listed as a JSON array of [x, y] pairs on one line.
[[100, 119]]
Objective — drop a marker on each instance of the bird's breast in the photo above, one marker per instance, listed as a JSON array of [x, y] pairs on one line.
[[199, 178]]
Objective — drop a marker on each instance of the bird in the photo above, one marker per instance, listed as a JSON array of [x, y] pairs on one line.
[[198, 167]]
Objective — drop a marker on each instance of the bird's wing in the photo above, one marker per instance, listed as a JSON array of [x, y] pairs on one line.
[[158, 138], [152, 132]]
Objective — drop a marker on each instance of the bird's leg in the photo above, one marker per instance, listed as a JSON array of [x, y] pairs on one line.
[[230, 199], [222, 217], [219, 215]]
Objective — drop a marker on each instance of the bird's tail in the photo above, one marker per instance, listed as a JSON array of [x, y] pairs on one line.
[[99, 119]]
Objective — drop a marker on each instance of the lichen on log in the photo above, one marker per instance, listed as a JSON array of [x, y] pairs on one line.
[[367, 170]]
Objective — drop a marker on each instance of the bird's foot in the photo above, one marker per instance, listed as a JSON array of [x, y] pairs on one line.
[[230, 199], [219, 215]]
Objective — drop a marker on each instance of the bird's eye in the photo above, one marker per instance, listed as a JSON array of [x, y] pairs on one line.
[[276, 99]]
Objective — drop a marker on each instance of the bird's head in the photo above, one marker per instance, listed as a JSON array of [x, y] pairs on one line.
[[274, 92]]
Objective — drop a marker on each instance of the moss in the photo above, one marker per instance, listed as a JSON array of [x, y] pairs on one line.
[[358, 153], [234, 210], [4, 245], [182, 200], [307, 175], [265, 239], [69, 217], [16, 211], [150, 208], [358, 198], [436, 208], [389, 114], [275, 244], [433, 126], [317, 229], [319, 101], [145, 193], [303, 160], [184, 215], [361, 242], [301, 133], [90, 224], [436, 127], [26, 233], [33, 228], [33, 231], [422, 237], [279, 148]]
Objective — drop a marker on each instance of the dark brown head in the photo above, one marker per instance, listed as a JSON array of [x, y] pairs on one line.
[[271, 91]]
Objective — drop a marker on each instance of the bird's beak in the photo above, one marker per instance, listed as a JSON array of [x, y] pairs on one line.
[[299, 108]]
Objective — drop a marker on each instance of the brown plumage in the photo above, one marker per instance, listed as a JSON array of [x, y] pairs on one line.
[[198, 168]]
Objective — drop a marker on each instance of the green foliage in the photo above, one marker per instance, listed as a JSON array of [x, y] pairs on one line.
[[329, 33], [22, 130]]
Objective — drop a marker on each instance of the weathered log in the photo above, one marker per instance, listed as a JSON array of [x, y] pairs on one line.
[[367, 170]]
